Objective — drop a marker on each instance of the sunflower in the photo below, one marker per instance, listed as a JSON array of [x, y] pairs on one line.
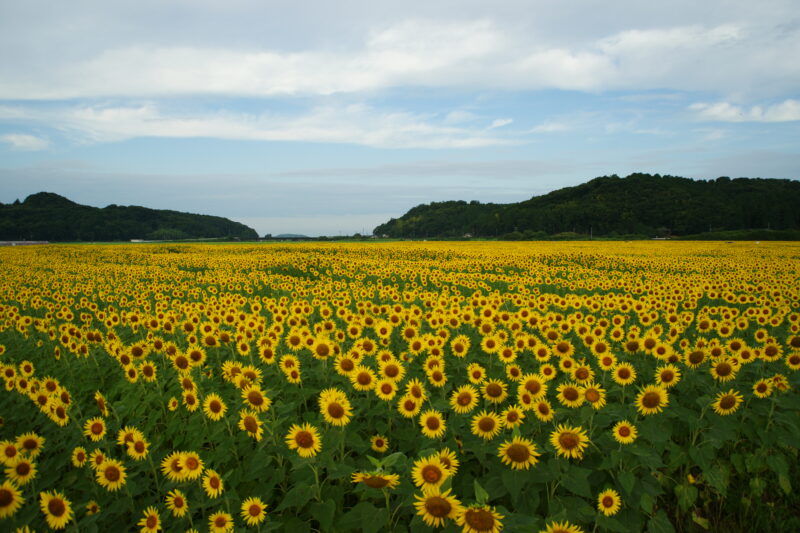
[[624, 374], [95, 428], [727, 402], [335, 407], [416, 389], [464, 399], [22, 471], [220, 522], [192, 465], [561, 527], [762, 388], [255, 399], [569, 441], [253, 511], [668, 376], [212, 484], [652, 399], [79, 457], [449, 460], [460, 345], [723, 370], [386, 389], [362, 378], [379, 443], [436, 507], [479, 519], [569, 394], [8, 452], [624, 432], [543, 410], [518, 453], [432, 424], [56, 508], [96, 458], [177, 503], [111, 475], [150, 522], [305, 439], [30, 444], [376, 480], [476, 373], [10, 499], [429, 472], [595, 394], [495, 391], [609, 502], [250, 423], [408, 406], [138, 449], [534, 384], [694, 358], [512, 417], [213, 406], [486, 425], [92, 508]]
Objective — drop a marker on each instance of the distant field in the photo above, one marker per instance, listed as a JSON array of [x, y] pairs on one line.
[[401, 386]]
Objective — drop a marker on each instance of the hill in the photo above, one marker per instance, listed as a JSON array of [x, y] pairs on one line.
[[46, 216], [637, 205]]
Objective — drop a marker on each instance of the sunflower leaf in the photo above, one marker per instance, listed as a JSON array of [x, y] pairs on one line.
[[481, 496]]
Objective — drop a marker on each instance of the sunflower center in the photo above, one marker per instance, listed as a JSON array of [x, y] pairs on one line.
[[632, 346], [178, 502], [494, 390], [479, 519], [600, 347], [761, 387], [651, 400], [152, 521], [376, 482], [112, 473], [6, 498], [97, 428], [255, 398], [667, 376], [432, 423], [592, 395], [438, 506], [512, 416], [724, 369], [335, 410], [571, 394], [582, 373], [391, 371], [364, 378], [304, 439], [347, 365], [254, 510], [519, 453], [623, 373], [23, 469], [543, 408], [568, 440], [431, 474], [727, 402], [608, 501], [192, 463], [770, 351], [56, 507], [220, 521], [214, 482], [464, 399], [250, 424], [486, 424], [215, 406], [562, 347], [624, 431]]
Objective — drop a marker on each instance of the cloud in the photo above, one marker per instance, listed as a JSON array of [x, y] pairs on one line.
[[481, 53], [355, 123], [500, 122], [786, 111], [24, 142]]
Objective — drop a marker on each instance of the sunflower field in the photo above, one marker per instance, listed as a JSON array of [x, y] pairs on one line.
[[406, 387]]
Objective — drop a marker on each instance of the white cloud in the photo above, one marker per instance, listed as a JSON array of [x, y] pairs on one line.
[[23, 141], [500, 122], [356, 124], [786, 111]]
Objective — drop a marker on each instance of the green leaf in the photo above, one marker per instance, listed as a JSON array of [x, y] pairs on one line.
[[687, 494], [646, 503], [700, 521], [626, 481], [377, 463], [702, 456], [576, 481], [757, 485], [297, 496], [717, 476], [660, 523], [481, 496], [324, 512], [778, 464], [392, 459], [785, 484]]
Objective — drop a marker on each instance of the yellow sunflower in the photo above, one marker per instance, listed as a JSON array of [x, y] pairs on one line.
[[652, 399], [95, 428], [177, 503], [436, 507], [495, 391], [727, 402], [30, 444], [335, 407], [518, 453], [486, 425], [432, 424], [111, 475], [429, 472], [569, 394], [192, 465], [609, 502], [56, 508], [464, 399], [150, 522], [543, 411], [561, 527], [376, 480], [253, 511], [214, 407], [305, 439], [569, 441], [10, 499], [251, 424], [624, 374], [479, 519], [624, 432], [379, 443], [512, 417], [212, 484], [220, 522], [22, 471]]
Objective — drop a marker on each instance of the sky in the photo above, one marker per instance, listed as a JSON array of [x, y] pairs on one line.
[[329, 118]]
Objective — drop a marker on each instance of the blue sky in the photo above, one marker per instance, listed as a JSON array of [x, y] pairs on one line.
[[328, 118]]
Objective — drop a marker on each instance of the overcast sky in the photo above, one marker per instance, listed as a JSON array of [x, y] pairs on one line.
[[331, 117]]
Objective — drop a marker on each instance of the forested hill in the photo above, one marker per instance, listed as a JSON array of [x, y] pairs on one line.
[[47, 216], [639, 204]]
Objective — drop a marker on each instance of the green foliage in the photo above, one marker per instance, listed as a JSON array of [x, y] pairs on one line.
[[635, 206]]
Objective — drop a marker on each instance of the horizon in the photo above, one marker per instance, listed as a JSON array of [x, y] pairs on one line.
[[322, 119]]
